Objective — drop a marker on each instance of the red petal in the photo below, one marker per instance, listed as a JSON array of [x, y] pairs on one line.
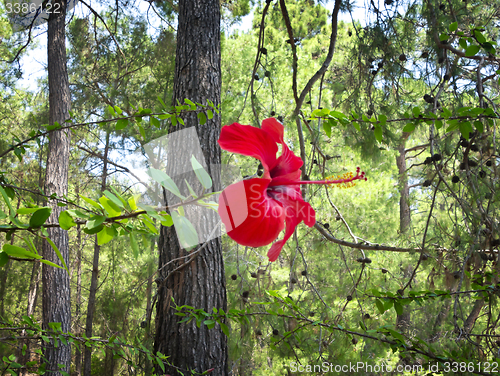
[[296, 211], [287, 162], [251, 217], [250, 141], [274, 129]]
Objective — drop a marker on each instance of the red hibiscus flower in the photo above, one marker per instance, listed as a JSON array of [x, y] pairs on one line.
[[255, 210]]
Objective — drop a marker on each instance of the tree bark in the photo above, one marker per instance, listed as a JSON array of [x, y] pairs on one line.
[[87, 360], [32, 298], [474, 314], [403, 321], [201, 282], [78, 352], [56, 283], [404, 205]]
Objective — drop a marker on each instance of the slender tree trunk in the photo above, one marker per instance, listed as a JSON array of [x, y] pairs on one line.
[[474, 314], [87, 362], [4, 273], [404, 206], [32, 298], [56, 283], [78, 352], [441, 316], [403, 321], [200, 282], [149, 311]]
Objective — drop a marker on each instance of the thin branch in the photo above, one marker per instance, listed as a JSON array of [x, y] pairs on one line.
[[376, 247]]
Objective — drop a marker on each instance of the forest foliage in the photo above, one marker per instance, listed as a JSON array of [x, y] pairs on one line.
[[401, 270]]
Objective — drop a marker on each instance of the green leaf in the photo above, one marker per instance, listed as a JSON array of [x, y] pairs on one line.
[[201, 174], [202, 118], [27, 210], [479, 36], [188, 237], [95, 221], [91, 202], [410, 127], [327, 127], [209, 323], [380, 306], [111, 208], [165, 180], [453, 26], [111, 110], [356, 126], [452, 125], [210, 114], [56, 125], [142, 132], [167, 221], [463, 43], [51, 264], [106, 235], [339, 115], [132, 202], [465, 128], [15, 251], [443, 37], [4, 259], [416, 111], [398, 308], [94, 230], [224, 328], [439, 124], [66, 221], [7, 201], [479, 126], [161, 101], [191, 190], [382, 119], [149, 224], [388, 304], [446, 113], [59, 256], [113, 198], [39, 217], [396, 335], [121, 123], [155, 122], [472, 50], [378, 133], [133, 244], [193, 106]]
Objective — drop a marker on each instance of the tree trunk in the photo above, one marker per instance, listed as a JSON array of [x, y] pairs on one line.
[[56, 283], [4, 273], [404, 206], [201, 282], [474, 314], [87, 362], [403, 321], [32, 298], [78, 308]]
